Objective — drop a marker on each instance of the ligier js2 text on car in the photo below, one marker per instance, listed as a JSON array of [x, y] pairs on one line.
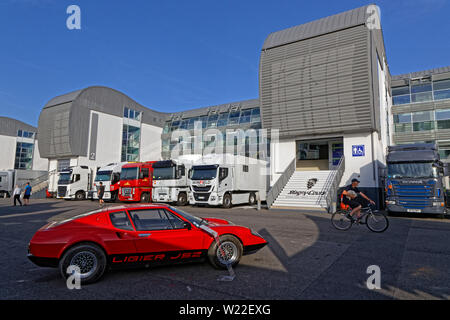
[[139, 235]]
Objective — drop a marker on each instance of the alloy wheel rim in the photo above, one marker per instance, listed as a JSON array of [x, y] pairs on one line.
[[86, 261], [227, 252]]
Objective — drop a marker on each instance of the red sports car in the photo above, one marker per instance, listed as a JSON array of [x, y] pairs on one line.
[[138, 235]]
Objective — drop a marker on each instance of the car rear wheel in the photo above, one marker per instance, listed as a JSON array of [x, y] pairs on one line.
[[226, 251], [88, 258]]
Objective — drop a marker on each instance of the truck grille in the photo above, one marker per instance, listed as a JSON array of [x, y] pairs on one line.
[[201, 196], [126, 191], [62, 191], [414, 197], [201, 189]]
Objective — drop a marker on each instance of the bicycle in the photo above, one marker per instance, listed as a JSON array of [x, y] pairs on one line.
[[375, 220]]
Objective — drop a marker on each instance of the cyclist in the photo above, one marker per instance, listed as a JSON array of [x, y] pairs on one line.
[[355, 199]]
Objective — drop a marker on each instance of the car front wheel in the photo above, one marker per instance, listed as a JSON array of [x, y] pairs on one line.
[[88, 260], [227, 251]]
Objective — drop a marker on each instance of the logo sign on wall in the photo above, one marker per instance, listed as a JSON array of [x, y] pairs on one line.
[[358, 151]]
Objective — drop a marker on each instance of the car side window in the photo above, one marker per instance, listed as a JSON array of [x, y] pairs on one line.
[[176, 222], [120, 220], [150, 219]]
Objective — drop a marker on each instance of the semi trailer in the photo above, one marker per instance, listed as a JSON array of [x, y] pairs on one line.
[[415, 179], [170, 182], [226, 180]]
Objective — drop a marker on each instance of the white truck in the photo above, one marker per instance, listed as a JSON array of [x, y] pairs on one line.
[[226, 180], [170, 182], [109, 176], [74, 183], [10, 178]]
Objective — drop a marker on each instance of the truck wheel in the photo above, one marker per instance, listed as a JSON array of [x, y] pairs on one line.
[[80, 195], [182, 199], [89, 258], [252, 198], [227, 251], [227, 201], [145, 197]]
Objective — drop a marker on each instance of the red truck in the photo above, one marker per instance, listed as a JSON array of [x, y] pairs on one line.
[[136, 180]]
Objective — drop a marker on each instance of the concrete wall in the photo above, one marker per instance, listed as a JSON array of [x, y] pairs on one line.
[[8, 154]]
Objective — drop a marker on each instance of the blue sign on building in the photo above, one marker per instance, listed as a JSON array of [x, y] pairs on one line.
[[358, 151]]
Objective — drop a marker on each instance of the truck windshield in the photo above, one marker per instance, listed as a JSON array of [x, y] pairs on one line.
[[164, 173], [129, 173], [64, 178], [103, 176], [203, 174], [412, 170]]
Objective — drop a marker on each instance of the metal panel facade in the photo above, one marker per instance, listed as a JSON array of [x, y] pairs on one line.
[[318, 85]]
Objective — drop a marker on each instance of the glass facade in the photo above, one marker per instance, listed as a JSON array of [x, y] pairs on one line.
[[132, 114], [422, 121], [418, 91], [229, 140], [131, 142], [24, 156]]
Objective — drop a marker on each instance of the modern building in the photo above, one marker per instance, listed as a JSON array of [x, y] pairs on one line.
[[323, 117], [19, 144], [421, 108]]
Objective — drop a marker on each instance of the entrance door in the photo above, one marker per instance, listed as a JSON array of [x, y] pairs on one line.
[[312, 155], [337, 151]]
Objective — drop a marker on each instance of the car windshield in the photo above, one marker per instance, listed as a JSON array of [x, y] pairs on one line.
[[196, 221], [203, 174], [412, 170], [164, 173], [64, 178], [129, 173], [103, 176]]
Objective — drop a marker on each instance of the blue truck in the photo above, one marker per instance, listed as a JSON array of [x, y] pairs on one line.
[[415, 180]]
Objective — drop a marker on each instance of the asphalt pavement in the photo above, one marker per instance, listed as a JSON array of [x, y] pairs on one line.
[[306, 259]]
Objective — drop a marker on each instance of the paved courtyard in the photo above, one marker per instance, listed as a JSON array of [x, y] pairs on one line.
[[306, 259]]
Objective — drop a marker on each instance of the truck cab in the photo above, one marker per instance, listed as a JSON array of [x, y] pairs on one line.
[[74, 183], [170, 182], [109, 176], [136, 182], [415, 180]]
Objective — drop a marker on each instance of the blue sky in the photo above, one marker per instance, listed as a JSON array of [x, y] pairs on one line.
[[177, 55]]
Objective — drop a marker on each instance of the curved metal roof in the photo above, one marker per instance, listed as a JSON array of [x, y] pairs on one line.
[[10, 126], [315, 28]]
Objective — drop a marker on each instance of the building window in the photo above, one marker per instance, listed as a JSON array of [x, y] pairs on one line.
[[25, 134], [441, 89], [256, 115], [130, 143], [421, 91], [223, 120], [233, 119], [212, 120], [132, 114], [24, 156]]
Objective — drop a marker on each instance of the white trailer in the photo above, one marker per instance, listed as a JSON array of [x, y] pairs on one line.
[[109, 176], [10, 178], [170, 181], [74, 183], [227, 180]]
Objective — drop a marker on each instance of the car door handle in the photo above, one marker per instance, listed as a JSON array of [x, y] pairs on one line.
[[144, 235]]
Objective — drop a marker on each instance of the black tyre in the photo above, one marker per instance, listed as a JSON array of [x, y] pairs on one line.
[[89, 258], [252, 198], [340, 221], [182, 199], [80, 195], [145, 197], [377, 222], [227, 201], [227, 251]]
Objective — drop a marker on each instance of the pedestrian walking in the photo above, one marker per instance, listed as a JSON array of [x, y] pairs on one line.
[[27, 194], [100, 192], [16, 195]]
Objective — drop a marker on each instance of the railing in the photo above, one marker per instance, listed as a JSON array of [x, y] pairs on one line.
[[276, 189], [334, 181]]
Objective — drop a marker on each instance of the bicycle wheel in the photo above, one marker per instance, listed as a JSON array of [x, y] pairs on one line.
[[377, 222], [340, 221]]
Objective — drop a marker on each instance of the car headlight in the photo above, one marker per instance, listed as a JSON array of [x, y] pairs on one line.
[[390, 202], [438, 204]]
